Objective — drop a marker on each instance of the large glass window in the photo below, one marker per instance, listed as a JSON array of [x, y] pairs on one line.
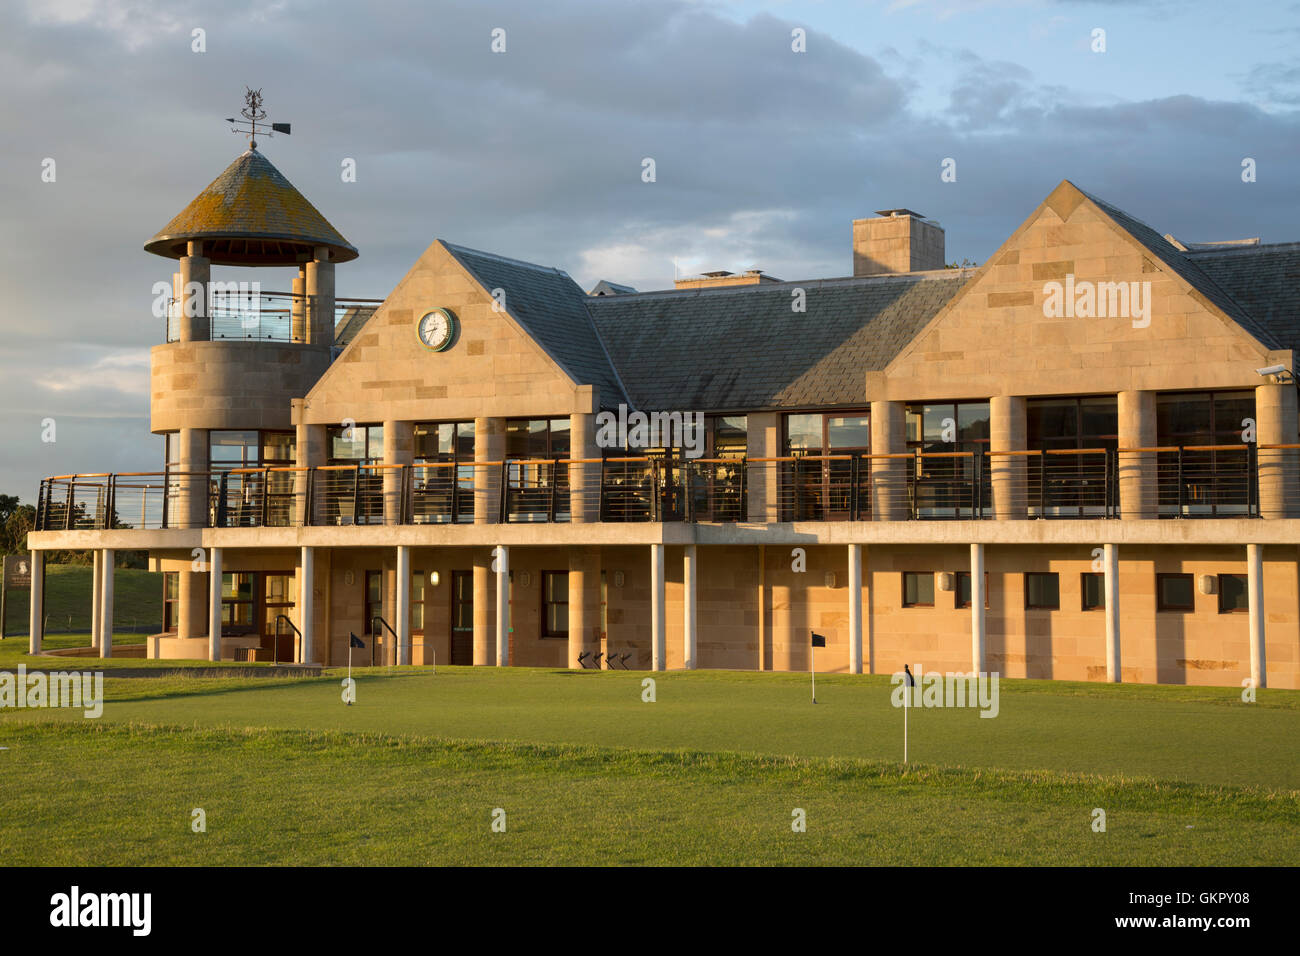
[[534, 489], [171, 600], [238, 599], [355, 444], [443, 479], [718, 482], [1211, 477], [822, 489], [1076, 433], [946, 434]]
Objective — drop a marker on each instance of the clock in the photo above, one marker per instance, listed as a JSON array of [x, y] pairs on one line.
[[436, 329]]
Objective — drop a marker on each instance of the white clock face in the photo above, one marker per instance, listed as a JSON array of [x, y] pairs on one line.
[[435, 329]]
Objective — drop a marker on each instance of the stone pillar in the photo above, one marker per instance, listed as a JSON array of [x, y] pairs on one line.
[[584, 479], [978, 616], [489, 446], [36, 605], [106, 604], [311, 453], [763, 440], [1276, 422], [306, 604], [1110, 587], [1255, 606], [399, 444], [298, 306], [96, 595], [214, 604], [319, 280], [1008, 473], [403, 612], [855, 609], [503, 606], [190, 506], [196, 272], [1137, 470], [689, 615], [584, 603], [658, 647], [483, 648], [889, 499]]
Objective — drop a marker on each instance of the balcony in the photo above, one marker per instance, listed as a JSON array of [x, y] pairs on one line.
[[262, 316], [1185, 482]]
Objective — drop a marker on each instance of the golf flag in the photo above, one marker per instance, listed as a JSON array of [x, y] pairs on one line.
[[356, 641], [819, 640]]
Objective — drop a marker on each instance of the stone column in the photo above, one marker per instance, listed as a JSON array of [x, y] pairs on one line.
[[399, 445], [106, 604], [96, 595], [306, 604], [658, 647], [311, 453], [190, 509], [584, 479], [978, 616], [214, 604], [483, 646], [1008, 473], [689, 615], [503, 606], [298, 306], [1110, 587], [489, 446], [889, 500], [196, 272], [1276, 422], [1137, 470], [1255, 605], [855, 609], [584, 603], [403, 612], [319, 276], [36, 605], [763, 440]]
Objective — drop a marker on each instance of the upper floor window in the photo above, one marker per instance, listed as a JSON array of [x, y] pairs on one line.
[[1202, 418], [1065, 423], [356, 444], [537, 438], [948, 426], [251, 449], [822, 434], [728, 436], [443, 441]]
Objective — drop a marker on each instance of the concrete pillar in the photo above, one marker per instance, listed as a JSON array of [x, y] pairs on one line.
[[399, 445], [658, 655], [584, 479], [483, 607], [36, 605], [196, 272], [888, 475], [489, 446], [1137, 470], [311, 452], [298, 306], [1008, 473], [1255, 605], [503, 606], [106, 604], [319, 276], [689, 616], [584, 603], [307, 604], [855, 609], [978, 616], [1110, 588], [763, 440], [1276, 423], [190, 506], [96, 595], [403, 603], [214, 604]]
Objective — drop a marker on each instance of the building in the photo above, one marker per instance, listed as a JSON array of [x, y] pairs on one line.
[[1077, 461]]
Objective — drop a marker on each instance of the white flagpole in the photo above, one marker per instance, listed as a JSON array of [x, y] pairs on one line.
[[812, 666], [907, 695]]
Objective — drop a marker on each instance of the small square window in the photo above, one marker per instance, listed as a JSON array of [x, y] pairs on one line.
[[1233, 597], [1175, 592], [961, 597], [1092, 587], [918, 589], [1042, 590]]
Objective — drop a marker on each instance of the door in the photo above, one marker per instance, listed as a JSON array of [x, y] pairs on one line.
[[279, 592], [462, 617]]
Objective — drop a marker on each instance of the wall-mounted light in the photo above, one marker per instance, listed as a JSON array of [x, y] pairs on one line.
[[349, 578], [1207, 583], [435, 578], [525, 579], [945, 581], [830, 579], [618, 579]]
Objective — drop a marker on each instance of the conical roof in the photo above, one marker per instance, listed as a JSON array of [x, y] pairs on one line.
[[251, 215]]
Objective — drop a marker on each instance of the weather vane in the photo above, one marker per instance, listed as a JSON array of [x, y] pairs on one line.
[[254, 114]]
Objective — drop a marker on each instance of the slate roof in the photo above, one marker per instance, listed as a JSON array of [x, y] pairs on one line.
[[1266, 280], [251, 215], [552, 309], [734, 348], [350, 324], [1186, 267]]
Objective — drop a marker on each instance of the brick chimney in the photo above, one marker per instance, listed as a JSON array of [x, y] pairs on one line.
[[897, 240]]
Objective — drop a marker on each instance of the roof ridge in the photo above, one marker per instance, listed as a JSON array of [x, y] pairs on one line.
[[495, 257], [934, 275]]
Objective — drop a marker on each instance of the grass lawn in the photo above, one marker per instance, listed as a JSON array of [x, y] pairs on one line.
[[137, 600], [588, 773]]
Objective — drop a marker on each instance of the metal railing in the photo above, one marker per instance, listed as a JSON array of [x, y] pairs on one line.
[[260, 316], [1191, 481]]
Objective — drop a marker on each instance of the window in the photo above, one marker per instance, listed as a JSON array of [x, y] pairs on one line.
[[237, 603], [374, 600], [918, 589], [462, 601], [1233, 596], [171, 596], [1065, 423], [823, 489], [537, 438], [945, 487], [443, 442], [1042, 590], [1174, 592], [555, 604], [251, 449], [1092, 588], [1204, 482], [356, 444], [962, 590], [417, 602], [443, 479]]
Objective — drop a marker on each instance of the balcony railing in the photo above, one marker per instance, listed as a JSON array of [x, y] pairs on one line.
[[1201, 481], [261, 316]]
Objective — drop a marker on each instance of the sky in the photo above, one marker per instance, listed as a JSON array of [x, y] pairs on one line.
[[763, 156]]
